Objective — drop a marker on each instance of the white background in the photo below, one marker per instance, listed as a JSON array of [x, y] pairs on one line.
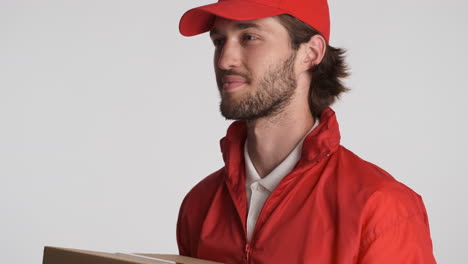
[[108, 117]]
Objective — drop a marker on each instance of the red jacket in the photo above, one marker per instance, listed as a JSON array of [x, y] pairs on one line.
[[332, 208]]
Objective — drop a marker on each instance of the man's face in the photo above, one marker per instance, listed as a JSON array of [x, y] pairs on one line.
[[254, 66]]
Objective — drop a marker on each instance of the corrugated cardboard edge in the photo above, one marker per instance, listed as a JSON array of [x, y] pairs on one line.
[[139, 257], [54, 255], [57, 255], [179, 259]]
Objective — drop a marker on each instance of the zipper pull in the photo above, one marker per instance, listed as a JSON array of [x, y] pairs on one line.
[[247, 253]]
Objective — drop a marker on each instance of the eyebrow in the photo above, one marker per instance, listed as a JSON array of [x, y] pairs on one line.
[[238, 26]]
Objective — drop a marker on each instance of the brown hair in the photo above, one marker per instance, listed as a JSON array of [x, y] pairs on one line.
[[326, 85]]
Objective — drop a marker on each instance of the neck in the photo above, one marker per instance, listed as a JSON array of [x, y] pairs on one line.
[[271, 139]]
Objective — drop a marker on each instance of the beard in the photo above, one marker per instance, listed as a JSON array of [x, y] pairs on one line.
[[273, 93]]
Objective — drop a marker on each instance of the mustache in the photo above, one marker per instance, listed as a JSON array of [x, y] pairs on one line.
[[223, 73]]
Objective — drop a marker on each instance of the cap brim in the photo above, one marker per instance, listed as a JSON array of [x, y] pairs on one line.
[[199, 20]]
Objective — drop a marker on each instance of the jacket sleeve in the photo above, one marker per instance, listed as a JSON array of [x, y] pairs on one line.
[[183, 236], [396, 229]]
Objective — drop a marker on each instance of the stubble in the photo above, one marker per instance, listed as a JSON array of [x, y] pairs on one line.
[[273, 94]]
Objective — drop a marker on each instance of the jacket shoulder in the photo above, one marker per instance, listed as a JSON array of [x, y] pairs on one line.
[[368, 177], [362, 170], [203, 191], [387, 206], [378, 194], [192, 211]]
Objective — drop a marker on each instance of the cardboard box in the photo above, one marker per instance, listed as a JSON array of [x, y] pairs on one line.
[[55, 255]]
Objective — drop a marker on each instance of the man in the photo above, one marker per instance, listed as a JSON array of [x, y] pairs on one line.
[[289, 193]]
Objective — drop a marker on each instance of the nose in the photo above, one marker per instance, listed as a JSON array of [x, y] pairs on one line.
[[228, 56]]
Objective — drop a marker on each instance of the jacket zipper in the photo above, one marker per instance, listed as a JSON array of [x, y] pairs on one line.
[[247, 253], [248, 247]]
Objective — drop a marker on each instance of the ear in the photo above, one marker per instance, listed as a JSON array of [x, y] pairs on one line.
[[313, 51]]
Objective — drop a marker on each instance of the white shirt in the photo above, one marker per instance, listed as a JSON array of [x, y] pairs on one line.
[[258, 189]]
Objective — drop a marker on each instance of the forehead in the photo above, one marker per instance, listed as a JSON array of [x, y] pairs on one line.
[[267, 25]]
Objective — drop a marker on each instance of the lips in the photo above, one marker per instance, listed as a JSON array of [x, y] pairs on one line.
[[230, 82]]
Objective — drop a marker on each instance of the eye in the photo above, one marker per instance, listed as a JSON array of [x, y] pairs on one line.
[[218, 42], [249, 37]]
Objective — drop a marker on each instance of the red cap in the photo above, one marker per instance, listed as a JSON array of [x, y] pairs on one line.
[[312, 12]]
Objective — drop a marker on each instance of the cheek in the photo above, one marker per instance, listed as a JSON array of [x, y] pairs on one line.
[[215, 59], [259, 63]]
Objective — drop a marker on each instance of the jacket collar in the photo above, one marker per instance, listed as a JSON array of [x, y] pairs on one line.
[[322, 141]]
